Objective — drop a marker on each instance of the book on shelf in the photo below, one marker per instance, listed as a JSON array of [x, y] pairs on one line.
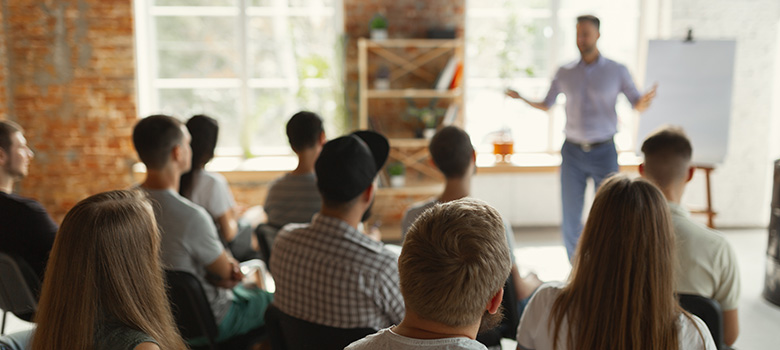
[[458, 77], [447, 74], [450, 115]]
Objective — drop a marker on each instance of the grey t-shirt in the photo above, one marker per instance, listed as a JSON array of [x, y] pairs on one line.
[[387, 340], [416, 209], [292, 199], [190, 243]]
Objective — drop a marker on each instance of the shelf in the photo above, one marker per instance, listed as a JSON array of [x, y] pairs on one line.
[[452, 43], [408, 143], [413, 93]]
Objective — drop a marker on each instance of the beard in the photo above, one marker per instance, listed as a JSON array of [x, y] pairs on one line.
[[490, 321], [367, 213]]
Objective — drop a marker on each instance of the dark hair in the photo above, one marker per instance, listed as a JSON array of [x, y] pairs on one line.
[[7, 128], [304, 130], [667, 155], [451, 151], [590, 18], [154, 137], [204, 131]]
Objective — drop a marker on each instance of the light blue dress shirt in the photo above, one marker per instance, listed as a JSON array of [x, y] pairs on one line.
[[591, 92]]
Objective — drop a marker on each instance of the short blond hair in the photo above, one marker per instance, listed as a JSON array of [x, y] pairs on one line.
[[455, 258]]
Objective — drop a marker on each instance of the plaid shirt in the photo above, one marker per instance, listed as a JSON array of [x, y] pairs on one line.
[[329, 273]]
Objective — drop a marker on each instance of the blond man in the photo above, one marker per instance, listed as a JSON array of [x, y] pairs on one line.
[[453, 265]]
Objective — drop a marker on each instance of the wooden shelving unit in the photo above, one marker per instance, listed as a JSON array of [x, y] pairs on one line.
[[415, 65]]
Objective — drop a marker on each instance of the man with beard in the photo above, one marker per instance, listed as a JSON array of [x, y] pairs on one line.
[[591, 86], [328, 272], [449, 286], [25, 228]]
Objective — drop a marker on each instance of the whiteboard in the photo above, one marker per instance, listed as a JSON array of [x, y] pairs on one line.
[[694, 92]]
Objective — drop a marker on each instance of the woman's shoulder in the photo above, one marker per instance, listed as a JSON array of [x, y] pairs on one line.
[[119, 336], [694, 333]]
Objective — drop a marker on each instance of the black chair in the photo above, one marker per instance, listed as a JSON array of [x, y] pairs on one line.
[[709, 311], [508, 326], [193, 315], [265, 238], [18, 284], [290, 333]]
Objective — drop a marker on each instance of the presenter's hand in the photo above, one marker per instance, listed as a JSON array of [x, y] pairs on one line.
[[512, 93], [646, 99]]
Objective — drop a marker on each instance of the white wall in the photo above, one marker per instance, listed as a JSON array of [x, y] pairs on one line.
[[742, 185]]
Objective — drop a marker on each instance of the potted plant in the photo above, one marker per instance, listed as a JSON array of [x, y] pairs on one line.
[[427, 117], [378, 26], [382, 78], [397, 172]]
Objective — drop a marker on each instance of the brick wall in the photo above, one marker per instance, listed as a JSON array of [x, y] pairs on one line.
[[71, 83], [3, 69]]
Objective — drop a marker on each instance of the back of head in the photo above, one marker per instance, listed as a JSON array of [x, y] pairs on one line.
[[304, 130], [105, 267], [667, 156], [7, 130], [154, 138], [455, 258], [204, 131], [621, 290], [451, 151]]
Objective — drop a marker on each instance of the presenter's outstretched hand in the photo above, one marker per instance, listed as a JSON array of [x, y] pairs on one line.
[[646, 99], [512, 93]]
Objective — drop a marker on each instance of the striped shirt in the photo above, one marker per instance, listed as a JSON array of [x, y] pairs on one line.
[[292, 199], [329, 273]]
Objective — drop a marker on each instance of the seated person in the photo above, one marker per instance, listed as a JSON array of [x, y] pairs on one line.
[[328, 272], [189, 237], [26, 230], [294, 198], [454, 156], [620, 293], [210, 190], [446, 247], [104, 286], [709, 261]]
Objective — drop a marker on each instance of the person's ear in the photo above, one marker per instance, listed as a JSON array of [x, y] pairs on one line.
[[495, 302], [691, 170], [642, 169], [368, 194], [323, 138], [3, 156], [176, 153]]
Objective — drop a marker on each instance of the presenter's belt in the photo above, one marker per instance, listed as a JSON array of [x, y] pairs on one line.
[[586, 147]]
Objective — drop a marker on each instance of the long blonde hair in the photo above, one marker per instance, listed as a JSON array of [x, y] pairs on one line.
[[621, 290], [105, 267]]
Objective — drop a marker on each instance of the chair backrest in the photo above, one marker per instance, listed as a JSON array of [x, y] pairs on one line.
[[265, 238], [16, 293], [190, 307], [709, 311], [290, 333]]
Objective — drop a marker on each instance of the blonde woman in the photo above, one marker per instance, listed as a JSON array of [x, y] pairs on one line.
[[620, 293], [104, 286]]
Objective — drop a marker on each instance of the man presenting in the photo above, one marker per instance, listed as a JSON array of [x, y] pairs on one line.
[[591, 86]]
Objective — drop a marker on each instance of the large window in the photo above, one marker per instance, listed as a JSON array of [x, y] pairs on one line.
[[250, 64], [521, 44]]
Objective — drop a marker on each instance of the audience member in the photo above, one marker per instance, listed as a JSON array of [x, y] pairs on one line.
[[189, 237], [104, 286], [620, 293], [454, 156], [26, 230], [447, 246], [707, 263], [210, 190], [328, 272], [294, 198]]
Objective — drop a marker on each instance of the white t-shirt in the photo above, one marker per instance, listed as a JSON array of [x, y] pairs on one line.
[[532, 333], [385, 339], [211, 191]]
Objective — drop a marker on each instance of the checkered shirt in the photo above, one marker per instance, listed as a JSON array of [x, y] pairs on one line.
[[329, 273]]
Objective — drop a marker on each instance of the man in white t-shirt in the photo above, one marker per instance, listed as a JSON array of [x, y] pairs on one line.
[[450, 290], [707, 264]]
